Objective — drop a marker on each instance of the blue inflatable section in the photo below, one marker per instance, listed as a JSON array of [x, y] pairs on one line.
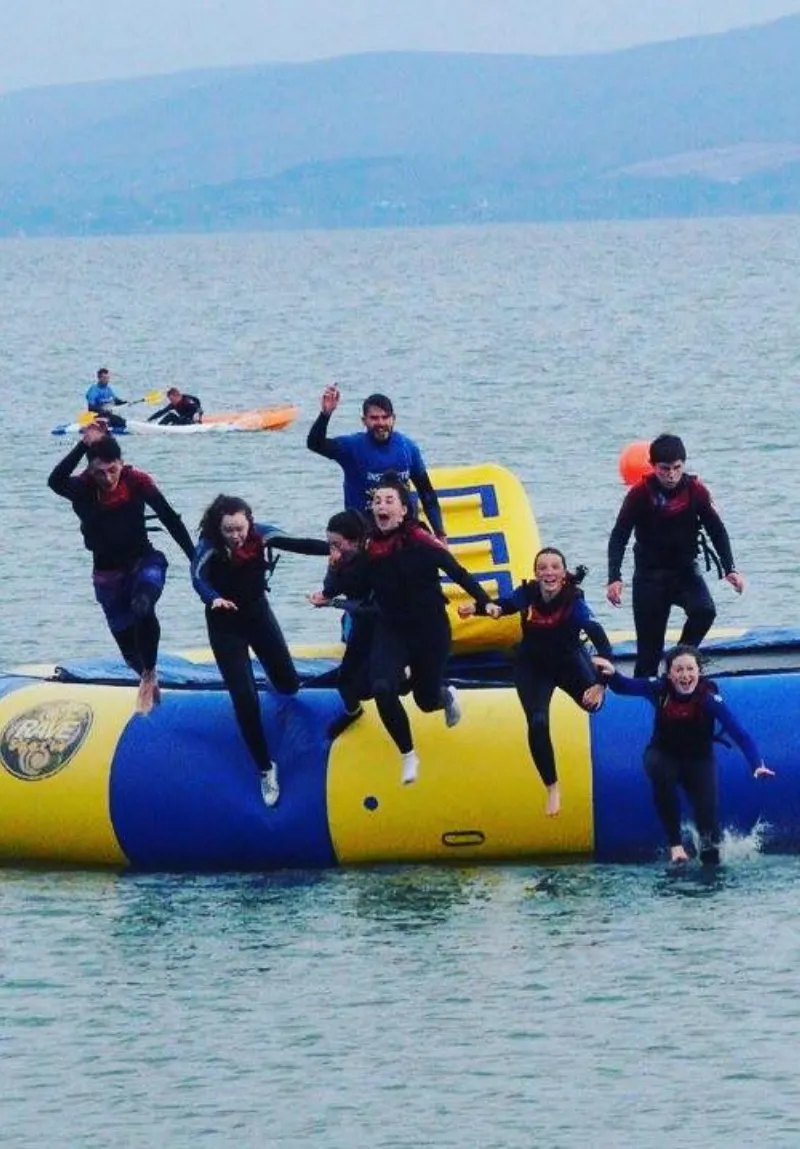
[[624, 819], [8, 684], [184, 800]]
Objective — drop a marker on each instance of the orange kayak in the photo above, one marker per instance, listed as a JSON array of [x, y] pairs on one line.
[[261, 419]]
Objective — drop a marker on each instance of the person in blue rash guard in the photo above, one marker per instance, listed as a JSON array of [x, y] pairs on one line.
[[110, 499], [681, 749], [666, 511], [551, 654], [369, 454], [229, 573], [101, 400]]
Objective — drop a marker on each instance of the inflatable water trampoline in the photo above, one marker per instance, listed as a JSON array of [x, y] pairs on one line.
[[85, 781]]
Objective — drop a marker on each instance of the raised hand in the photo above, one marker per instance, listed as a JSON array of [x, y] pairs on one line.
[[94, 432], [330, 399]]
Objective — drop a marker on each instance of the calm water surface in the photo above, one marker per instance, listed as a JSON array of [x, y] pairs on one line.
[[500, 1007]]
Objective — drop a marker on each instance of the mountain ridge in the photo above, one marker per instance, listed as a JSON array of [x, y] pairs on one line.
[[461, 137]]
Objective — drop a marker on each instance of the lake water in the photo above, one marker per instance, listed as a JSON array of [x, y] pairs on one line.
[[501, 1007]]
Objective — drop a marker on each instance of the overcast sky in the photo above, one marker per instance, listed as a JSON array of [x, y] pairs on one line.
[[58, 41]]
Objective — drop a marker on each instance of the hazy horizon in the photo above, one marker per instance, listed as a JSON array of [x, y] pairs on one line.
[[89, 40]]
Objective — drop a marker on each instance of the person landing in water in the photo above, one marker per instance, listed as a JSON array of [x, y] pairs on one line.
[[110, 499], [680, 753], [369, 454]]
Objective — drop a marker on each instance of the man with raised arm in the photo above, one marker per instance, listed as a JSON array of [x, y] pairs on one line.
[[369, 454]]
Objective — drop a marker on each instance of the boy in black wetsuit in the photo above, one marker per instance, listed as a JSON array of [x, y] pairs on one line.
[[666, 512], [110, 498], [181, 409]]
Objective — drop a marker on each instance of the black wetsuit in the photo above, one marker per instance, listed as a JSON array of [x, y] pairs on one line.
[[666, 525], [411, 629], [551, 654], [681, 753], [187, 410], [353, 680], [128, 572], [239, 576]]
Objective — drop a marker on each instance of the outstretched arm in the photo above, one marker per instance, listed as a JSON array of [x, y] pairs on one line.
[[203, 552], [60, 479], [158, 414], [275, 538], [299, 546], [716, 530], [587, 622], [648, 688], [731, 725], [171, 520], [429, 499], [617, 543], [461, 575]]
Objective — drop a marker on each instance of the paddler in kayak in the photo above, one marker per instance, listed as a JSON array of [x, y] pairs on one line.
[[181, 410], [101, 400]]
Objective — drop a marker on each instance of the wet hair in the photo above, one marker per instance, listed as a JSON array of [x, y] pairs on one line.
[[383, 402], [391, 480], [102, 371], [573, 578], [105, 450], [351, 525], [667, 449], [212, 517], [173, 391], [681, 649]]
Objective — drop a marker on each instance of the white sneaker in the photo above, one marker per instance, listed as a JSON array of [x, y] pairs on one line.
[[270, 790], [452, 710], [410, 767]]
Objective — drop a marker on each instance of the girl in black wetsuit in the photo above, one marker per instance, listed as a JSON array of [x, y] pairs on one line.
[[229, 572], [551, 654], [400, 568], [347, 534], [681, 749]]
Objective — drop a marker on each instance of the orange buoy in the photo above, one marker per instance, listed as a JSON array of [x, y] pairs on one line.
[[634, 462]]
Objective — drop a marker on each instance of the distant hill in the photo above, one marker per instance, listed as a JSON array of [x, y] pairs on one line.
[[693, 126]]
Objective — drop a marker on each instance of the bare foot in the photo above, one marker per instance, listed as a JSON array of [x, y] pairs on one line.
[[678, 854], [156, 694], [145, 699], [553, 806]]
